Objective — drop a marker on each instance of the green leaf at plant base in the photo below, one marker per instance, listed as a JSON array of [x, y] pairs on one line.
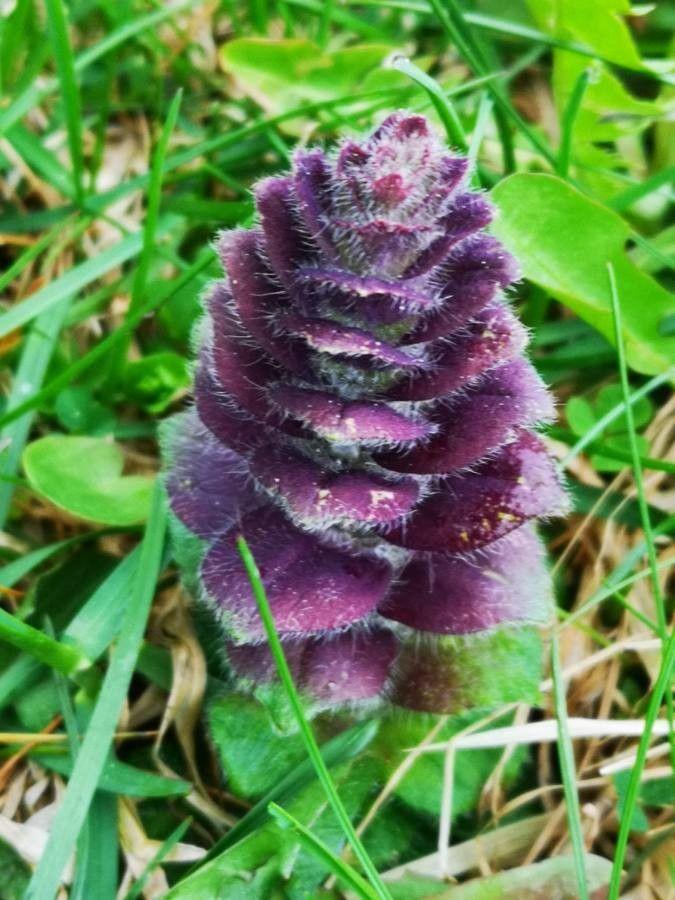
[[154, 381], [563, 241], [253, 756], [83, 475], [80, 412]]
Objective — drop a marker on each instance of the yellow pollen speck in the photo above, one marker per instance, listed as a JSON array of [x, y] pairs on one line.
[[464, 535], [507, 517]]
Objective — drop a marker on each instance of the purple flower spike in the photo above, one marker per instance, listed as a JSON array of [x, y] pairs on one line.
[[365, 417]]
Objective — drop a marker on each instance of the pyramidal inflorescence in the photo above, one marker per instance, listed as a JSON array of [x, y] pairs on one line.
[[364, 416]]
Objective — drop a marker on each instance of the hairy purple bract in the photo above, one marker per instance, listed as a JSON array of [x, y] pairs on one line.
[[365, 416]]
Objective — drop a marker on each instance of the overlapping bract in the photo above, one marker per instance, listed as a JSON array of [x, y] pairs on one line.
[[363, 415]]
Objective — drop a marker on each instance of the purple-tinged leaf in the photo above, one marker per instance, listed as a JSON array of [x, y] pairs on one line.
[[319, 496], [208, 485], [341, 421], [476, 422], [473, 509], [310, 586], [507, 582]]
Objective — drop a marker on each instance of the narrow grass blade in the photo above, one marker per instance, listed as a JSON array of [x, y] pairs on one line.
[[615, 413], [137, 888], [97, 860], [138, 288], [566, 758], [94, 627], [61, 657], [661, 684], [342, 870], [70, 96], [69, 284], [100, 350], [647, 462], [154, 200], [341, 748], [567, 126], [484, 110], [28, 255], [35, 357], [38, 90], [659, 601], [324, 23], [454, 25], [296, 704], [98, 738], [442, 105], [642, 189]]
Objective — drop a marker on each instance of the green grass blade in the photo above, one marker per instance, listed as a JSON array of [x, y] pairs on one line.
[[100, 350], [630, 196], [647, 462], [137, 888], [61, 657], [342, 870], [70, 95], [98, 738], [567, 126], [324, 23], [154, 200], [308, 737], [659, 601], [339, 749], [455, 27], [566, 758], [28, 255], [661, 685], [609, 590], [35, 358], [442, 105], [97, 858], [69, 284], [37, 91], [139, 284], [614, 414]]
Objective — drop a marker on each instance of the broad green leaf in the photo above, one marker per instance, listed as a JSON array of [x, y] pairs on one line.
[[282, 74], [563, 241], [83, 475], [610, 396], [580, 415], [602, 28], [251, 868], [154, 381], [253, 756], [618, 442], [639, 821], [80, 412], [422, 786]]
